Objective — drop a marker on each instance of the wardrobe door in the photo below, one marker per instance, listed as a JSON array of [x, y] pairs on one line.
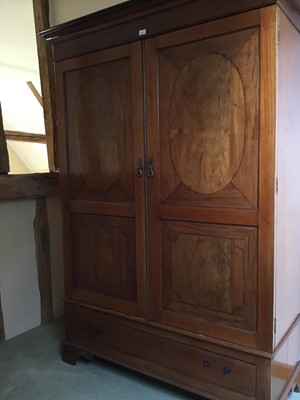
[[101, 142], [203, 101]]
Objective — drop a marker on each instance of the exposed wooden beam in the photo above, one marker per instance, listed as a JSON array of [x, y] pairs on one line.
[[4, 160], [42, 251], [41, 17], [35, 92], [25, 137], [28, 186]]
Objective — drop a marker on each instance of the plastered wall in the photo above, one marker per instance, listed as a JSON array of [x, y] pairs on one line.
[[60, 10]]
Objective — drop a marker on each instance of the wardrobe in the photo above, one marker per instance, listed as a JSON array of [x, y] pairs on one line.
[[179, 149]]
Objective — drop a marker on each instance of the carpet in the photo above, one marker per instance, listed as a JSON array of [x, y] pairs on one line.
[[31, 369]]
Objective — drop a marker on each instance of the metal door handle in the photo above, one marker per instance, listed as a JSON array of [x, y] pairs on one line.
[[150, 167], [140, 168]]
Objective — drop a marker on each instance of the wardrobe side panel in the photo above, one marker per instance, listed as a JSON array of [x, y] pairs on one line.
[[287, 297]]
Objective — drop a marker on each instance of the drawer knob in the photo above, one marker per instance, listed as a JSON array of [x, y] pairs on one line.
[[206, 364], [226, 370], [93, 331]]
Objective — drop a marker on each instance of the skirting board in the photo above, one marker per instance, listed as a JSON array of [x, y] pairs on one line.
[[283, 371]]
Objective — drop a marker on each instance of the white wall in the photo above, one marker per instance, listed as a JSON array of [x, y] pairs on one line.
[[19, 290], [61, 11], [18, 273], [15, 160], [19, 64]]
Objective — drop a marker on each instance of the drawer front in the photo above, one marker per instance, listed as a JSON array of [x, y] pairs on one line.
[[87, 330]]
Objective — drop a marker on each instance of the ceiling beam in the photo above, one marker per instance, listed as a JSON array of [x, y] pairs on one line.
[[28, 186], [25, 137], [41, 19]]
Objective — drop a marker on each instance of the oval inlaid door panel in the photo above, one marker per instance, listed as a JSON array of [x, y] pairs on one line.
[[99, 133], [207, 123]]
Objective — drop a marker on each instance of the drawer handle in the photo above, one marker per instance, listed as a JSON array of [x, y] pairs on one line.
[[206, 364], [226, 371], [93, 331]]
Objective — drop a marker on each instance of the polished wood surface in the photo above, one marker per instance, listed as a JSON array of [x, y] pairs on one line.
[[99, 118], [104, 259], [203, 278], [168, 178], [209, 140], [209, 272], [123, 22], [207, 123], [103, 198], [234, 377]]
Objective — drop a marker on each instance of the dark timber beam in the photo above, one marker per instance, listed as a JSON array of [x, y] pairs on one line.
[[28, 186], [42, 251], [41, 18], [4, 160], [25, 137], [35, 93]]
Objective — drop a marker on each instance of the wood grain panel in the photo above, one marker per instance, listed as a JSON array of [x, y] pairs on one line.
[[103, 256], [157, 17], [210, 273], [202, 274], [88, 330], [208, 119], [99, 133], [207, 123], [100, 142], [92, 207], [213, 215], [100, 127]]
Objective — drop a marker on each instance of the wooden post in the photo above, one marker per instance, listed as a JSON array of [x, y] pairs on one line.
[[41, 18], [42, 250], [2, 333], [4, 160]]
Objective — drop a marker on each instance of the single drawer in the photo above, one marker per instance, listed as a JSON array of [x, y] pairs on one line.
[[86, 329]]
